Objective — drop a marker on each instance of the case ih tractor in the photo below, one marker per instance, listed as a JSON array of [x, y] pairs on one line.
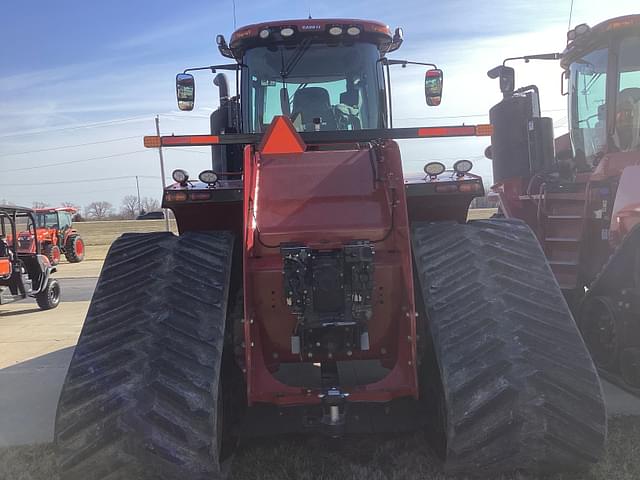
[[583, 202], [315, 287], [24, 274], [55, 234]]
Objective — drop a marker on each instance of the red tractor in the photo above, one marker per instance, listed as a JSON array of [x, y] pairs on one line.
[[55, 234], [315, 287], [580, 192]]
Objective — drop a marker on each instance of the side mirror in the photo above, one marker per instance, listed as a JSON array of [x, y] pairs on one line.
[[185, 91], [507, 79], [433, 87]]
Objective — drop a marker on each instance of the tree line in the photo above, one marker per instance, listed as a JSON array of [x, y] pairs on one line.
[[129, 208]]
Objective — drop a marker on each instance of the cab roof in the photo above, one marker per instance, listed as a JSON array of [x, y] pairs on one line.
[[55, 209], [249, 35], [595, 36], [15, 208]]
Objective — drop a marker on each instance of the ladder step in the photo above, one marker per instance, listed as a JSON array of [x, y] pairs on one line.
[[565, 217], [562, 239], [563, 263]]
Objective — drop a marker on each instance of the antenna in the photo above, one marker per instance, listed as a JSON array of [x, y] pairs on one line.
[[570, 15], [234, 13], [309, 7]]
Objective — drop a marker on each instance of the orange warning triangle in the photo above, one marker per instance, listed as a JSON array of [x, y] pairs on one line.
[[281, 137]]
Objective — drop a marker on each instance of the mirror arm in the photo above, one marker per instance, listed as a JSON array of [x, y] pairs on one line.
[[213, 68], [528, 58], [387, 61]]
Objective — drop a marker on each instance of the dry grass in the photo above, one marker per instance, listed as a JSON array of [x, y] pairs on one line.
[[480, 213], [104, 233], [378, 457]]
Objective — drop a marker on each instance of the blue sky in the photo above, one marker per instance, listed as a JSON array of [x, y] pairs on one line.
[[80, 82]]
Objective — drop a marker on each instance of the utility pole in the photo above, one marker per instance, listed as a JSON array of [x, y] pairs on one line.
[[139, 204], [164, 185]]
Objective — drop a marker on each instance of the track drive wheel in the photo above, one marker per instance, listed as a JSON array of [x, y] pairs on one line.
[[142, 398], [519, 389], [630, 366], [52, 252], [74, 249], [599, 325], [50, 297]]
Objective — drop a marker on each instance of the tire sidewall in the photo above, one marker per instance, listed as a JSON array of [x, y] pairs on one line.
[[73, 253]]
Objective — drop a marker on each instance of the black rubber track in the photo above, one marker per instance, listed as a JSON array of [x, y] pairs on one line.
[[519, 387], [139, 400]]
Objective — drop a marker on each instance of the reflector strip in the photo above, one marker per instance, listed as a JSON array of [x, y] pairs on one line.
[[463, 131], [187, 140], [175, 196], [152, 141], [484, 130], [281, 137]]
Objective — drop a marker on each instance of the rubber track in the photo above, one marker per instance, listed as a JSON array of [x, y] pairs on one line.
[[521, 391], [139, 398]]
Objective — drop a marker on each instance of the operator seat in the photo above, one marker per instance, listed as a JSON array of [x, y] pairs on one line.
[[627, 134], [313, 102]]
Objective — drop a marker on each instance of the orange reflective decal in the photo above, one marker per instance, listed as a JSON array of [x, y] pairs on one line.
[[190, 140], [281, 137], [5, 267], [484, 130], [463, 131], [152, 141]]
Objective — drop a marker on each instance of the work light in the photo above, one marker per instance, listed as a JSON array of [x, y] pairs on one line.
[[180, 176]]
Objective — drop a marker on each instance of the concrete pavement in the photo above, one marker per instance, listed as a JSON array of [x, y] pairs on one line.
[[35, 351]]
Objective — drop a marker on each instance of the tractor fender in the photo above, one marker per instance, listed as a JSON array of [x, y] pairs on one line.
[[47, 271]]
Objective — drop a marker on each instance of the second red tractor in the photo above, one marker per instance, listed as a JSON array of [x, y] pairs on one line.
[[55, 235]]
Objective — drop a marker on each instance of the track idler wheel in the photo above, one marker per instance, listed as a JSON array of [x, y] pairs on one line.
[[600, 326], [630, 366]]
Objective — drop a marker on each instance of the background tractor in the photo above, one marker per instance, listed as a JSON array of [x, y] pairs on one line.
[[315, 287], [24, 274], [579, 192], [55, 235]]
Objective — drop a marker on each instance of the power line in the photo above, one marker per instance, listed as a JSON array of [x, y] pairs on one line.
[[90, 180], [70, 162], [69, 146], [106, 123], [475, 115]]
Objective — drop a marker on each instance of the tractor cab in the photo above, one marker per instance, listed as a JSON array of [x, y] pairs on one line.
[[24, 274], [603, 68], [324, 75]]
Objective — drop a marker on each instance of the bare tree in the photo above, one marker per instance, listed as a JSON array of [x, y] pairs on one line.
[[71, 205], [98, 210], [40, 204], [150, 204], [130, 206]]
